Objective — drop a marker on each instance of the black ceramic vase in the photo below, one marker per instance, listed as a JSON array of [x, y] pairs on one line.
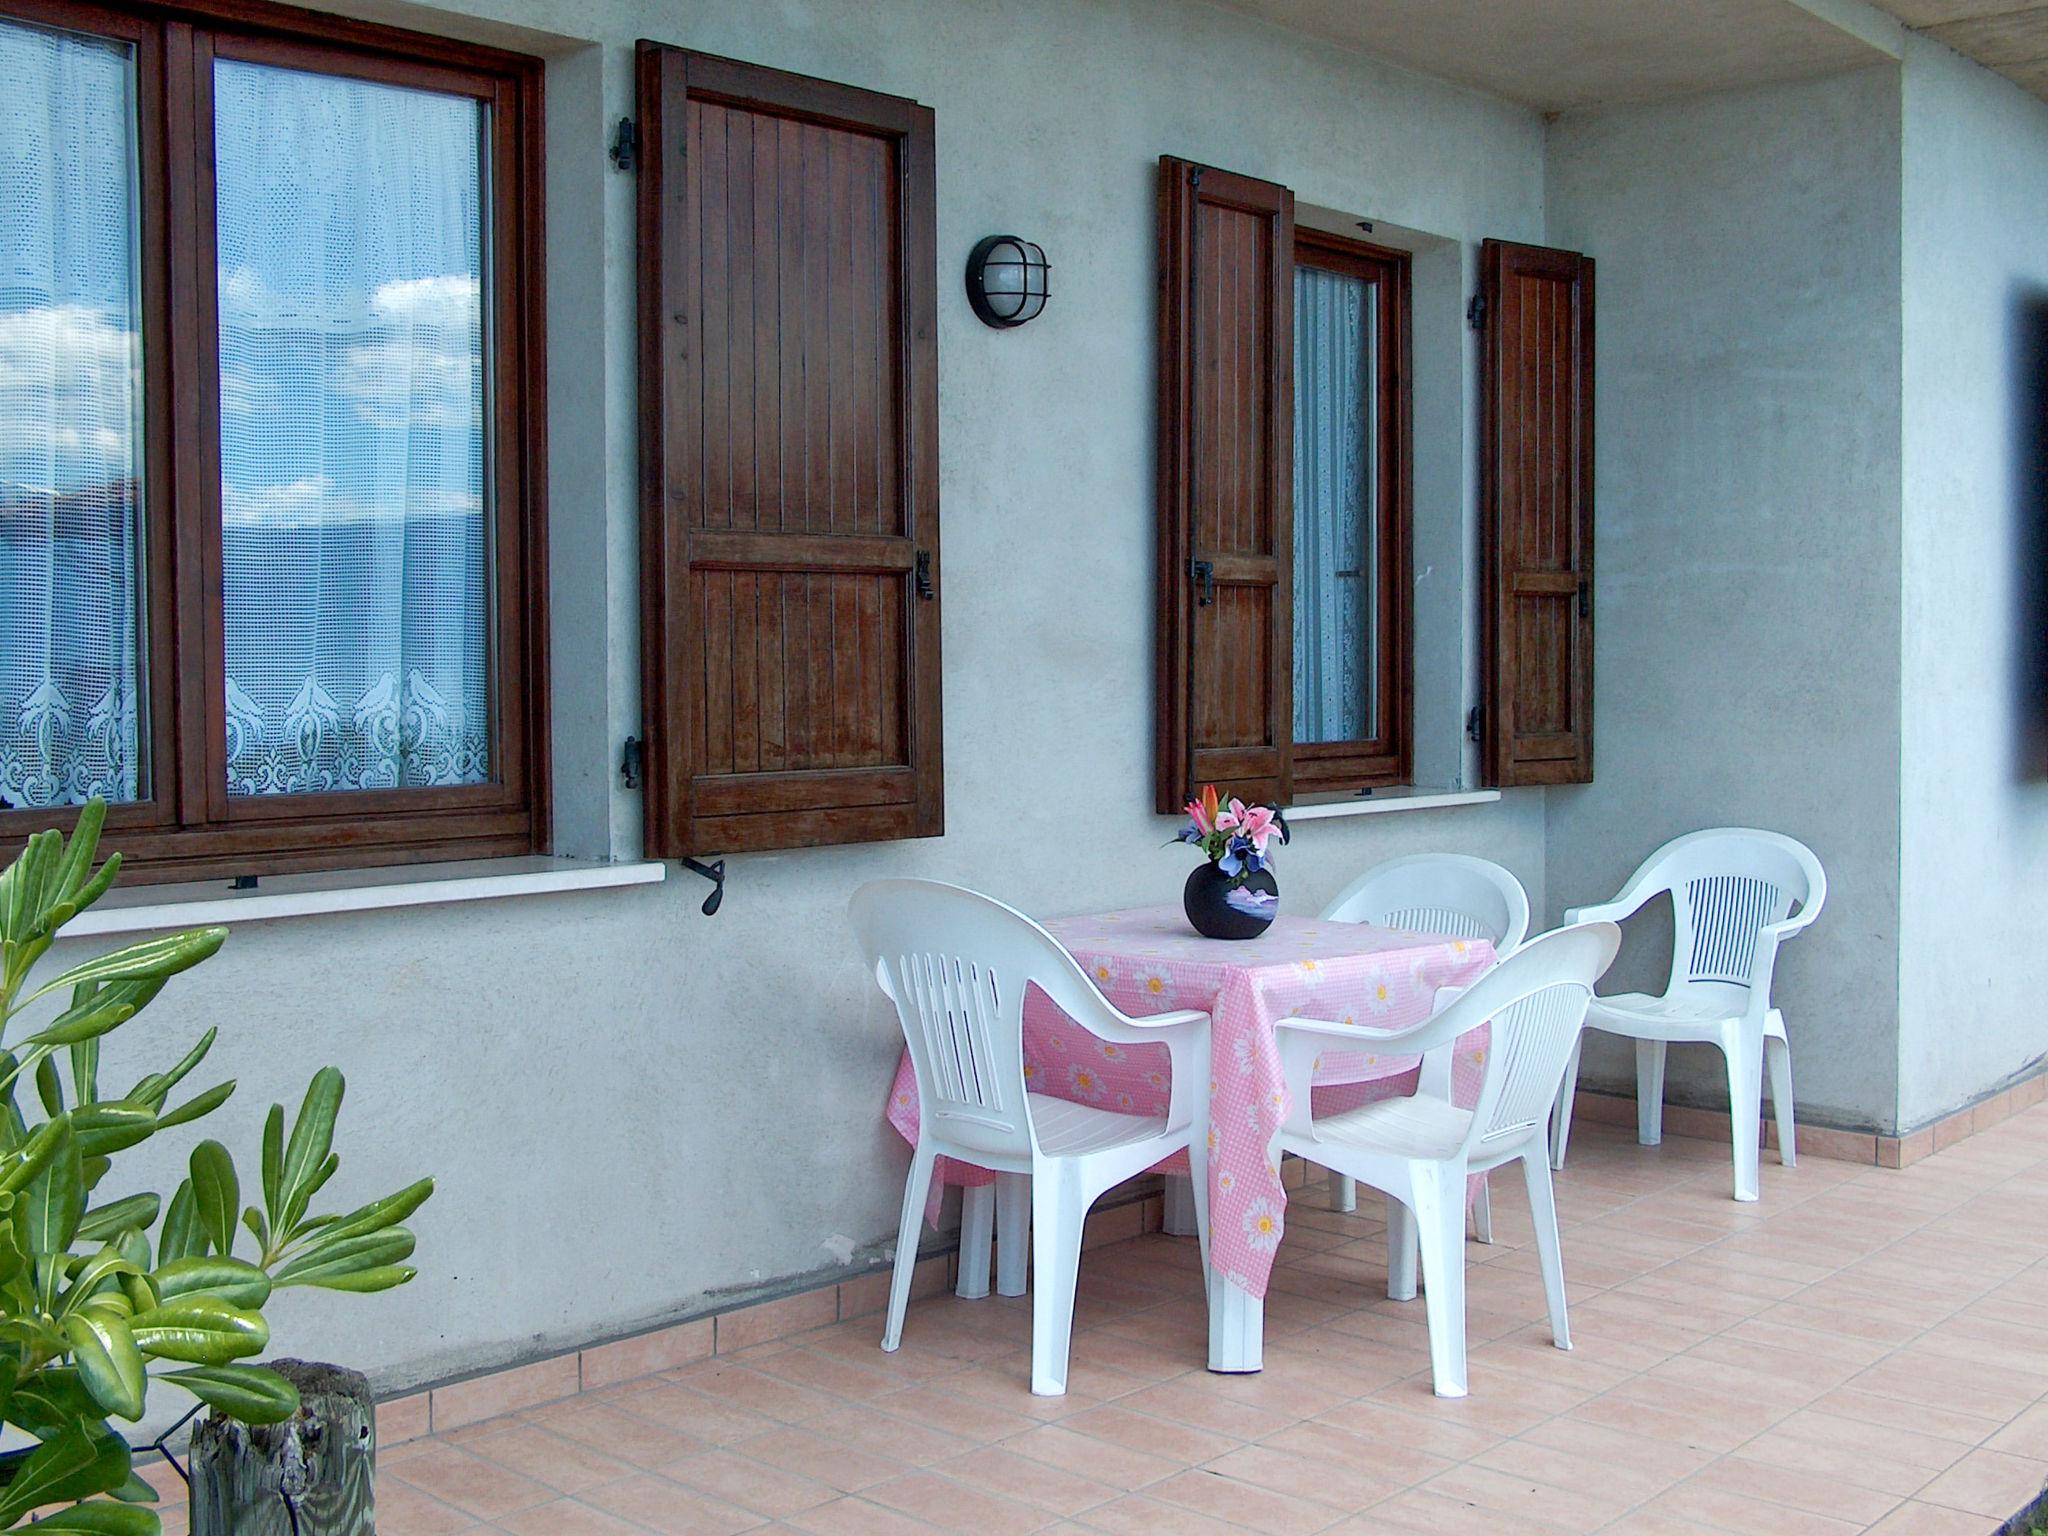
[[1230, 907]]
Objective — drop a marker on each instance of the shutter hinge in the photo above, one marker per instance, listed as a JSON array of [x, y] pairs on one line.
[[1203, 573], [923, 576], [632, 763], [1475, 723], [1476, 311], [626, 145]]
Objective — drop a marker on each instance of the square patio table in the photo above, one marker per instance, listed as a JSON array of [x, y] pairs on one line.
[[1147, 960]]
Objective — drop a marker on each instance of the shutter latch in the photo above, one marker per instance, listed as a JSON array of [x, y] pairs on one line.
[[1475, 722], [1204, 574], [1476, 312], [923, 575], [1585, 599], [626, 145]]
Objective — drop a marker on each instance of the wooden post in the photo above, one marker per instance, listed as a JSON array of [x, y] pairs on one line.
[[309, 1476]]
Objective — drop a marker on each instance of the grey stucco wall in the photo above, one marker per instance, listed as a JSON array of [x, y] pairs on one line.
[[628, 1106], [1747, 551], [1974, 796]]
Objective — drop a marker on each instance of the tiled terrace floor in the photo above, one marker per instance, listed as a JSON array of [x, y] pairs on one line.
[[1862, 1350]]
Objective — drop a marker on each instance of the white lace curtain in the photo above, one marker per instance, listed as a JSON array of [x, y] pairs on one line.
[[70, 447], [356, 544], [1336, 561]]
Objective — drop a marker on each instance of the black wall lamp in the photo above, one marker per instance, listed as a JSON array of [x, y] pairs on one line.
[[1006, 281]]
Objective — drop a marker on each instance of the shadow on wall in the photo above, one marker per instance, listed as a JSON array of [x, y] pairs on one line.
[[2029, 384]]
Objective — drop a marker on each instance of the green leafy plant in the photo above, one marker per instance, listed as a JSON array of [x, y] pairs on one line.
[[97, 1299]]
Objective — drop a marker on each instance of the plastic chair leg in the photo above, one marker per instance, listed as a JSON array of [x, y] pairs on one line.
[[1013, 1232], [1062, 1209], [1561, 1111], [977, 1235], [1343, 1192], [1650, 1091], [915, 1189], [1482, 1213], [1778, 1062], [1549, 1253], [1198, 1189], [1440, 1234], [1400, 1251], [1745, 1109]]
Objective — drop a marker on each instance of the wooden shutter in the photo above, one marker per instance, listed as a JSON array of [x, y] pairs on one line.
[[790, 460], [1536, 490], [1226, 485]]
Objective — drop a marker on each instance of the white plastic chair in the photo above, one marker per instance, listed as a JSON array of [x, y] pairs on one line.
[[956, 965], [1420, 1150], [1447, 893], [1733, 891]]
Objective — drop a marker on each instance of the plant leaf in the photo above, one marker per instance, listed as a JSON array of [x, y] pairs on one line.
[[380, 1213], [101, 1518], [198, 1106], [273, 1164], [218, 1192], [85, 1066], [181, 1236], [203, 1330], [311, 1140], [362, 1280], [105, 1008], [46, 1471], [56, 1198], [36, 1155], [233, 1280], [252, 1393], [111, 1126], [108, 1361], [317, 1264], [50, 1399], [156, 959], [48, 1088], [137, 1211]]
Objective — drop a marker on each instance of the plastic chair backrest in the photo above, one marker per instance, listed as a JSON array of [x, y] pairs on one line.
[[1727, 884], [956, 964], [1448, 893], [1535, 1001]]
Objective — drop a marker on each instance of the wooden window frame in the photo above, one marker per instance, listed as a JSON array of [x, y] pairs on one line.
[[1387, 758], [189, 826]]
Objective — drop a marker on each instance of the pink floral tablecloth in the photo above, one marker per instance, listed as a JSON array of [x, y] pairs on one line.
[[1149, 961]]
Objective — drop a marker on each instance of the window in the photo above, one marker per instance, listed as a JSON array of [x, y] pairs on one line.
[[791, 576], [270, 452], [1351, 514], [1285, 621]]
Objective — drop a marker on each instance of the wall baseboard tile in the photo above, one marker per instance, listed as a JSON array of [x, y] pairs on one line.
[[490, 1394], [1594, 1108]]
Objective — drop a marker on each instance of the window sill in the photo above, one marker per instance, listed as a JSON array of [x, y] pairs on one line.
[[1387, 800], [148, 909]]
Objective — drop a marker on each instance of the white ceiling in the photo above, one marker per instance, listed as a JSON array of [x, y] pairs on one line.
[[2011, 36], [1559, 54]]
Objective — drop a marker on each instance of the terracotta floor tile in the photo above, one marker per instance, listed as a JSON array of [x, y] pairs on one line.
[[769, 1491], [1221, 1497], [1154, 1436], [403, 1510], [846, 1468], [1995, 1484], [613, 1432], [1916, 1519], [1140, 1515], [958, 1506], [858, 1517], [1004, 1471], [669, 1508], [479, 1488], [565, 1465], [1118, 1466]]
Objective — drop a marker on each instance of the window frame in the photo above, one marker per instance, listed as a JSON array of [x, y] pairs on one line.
[[189, 825], [1386, 758]]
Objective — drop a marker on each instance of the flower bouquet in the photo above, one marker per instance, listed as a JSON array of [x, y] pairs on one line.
[[1233, 895]]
